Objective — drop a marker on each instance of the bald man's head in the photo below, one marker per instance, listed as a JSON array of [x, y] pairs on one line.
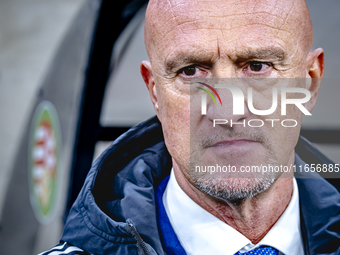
[[189, 40], [166, 16]]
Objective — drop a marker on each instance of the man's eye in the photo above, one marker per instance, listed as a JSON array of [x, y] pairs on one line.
[[257, 66], [189, 71]]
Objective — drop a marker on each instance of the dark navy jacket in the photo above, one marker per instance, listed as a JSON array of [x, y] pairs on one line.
[[115, 212]]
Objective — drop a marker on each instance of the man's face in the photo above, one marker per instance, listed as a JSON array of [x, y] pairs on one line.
[[226, 39]]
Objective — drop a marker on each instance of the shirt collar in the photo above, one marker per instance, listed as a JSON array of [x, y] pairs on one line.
[[199, 232]]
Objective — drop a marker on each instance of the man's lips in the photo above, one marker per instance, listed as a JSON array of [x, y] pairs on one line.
[[233, 142]]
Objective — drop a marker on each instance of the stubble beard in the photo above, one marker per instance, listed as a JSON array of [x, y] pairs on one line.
[[236, 190]]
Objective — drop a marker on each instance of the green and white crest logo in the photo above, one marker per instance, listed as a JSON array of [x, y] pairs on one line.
[[44, 161]]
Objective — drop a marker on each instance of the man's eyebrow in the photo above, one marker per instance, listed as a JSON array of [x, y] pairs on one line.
[[184, 59], [262, 53]]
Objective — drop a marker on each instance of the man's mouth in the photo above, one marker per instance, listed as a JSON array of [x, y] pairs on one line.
[[234, 147], [231, 142]]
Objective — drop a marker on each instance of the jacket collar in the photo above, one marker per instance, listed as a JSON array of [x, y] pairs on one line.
[[320, 213], [120, 188]]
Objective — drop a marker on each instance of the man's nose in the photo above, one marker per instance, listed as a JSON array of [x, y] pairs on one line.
[[226, 111]]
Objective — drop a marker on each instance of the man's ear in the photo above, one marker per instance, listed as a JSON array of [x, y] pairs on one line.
[[315, 71], [316, 63], [146, 71]]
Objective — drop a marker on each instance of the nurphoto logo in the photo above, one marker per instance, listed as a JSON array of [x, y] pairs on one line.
[[238, 99], [277, 94]]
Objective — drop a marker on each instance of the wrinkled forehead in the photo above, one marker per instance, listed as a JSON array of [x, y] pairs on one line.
[[168, 19], [220, 13]]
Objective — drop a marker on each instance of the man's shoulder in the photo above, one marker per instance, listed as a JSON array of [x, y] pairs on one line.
[[65, 249]]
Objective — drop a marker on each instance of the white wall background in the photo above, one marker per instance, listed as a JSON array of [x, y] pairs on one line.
[[30, 33]]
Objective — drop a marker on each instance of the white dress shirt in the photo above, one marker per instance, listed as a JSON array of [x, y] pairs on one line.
[[199, 232]]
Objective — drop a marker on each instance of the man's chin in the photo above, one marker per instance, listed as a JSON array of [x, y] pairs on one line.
[[234, 190]]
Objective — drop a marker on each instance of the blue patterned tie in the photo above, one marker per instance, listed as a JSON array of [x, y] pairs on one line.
[[263, 250]]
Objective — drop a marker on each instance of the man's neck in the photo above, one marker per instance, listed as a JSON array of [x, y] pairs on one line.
[[254, 216]]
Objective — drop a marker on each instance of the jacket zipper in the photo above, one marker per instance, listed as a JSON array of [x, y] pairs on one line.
[[138, 237]]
